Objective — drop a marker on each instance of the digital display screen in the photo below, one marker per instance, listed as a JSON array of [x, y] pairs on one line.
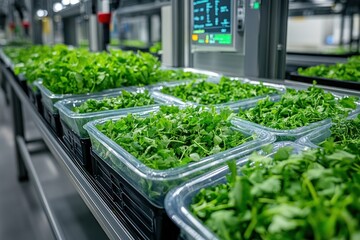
[[212, 22]]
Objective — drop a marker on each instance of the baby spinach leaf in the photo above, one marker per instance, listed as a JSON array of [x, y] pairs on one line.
[[124, 100], [78, 71], [174, 137], [298, 108], [227, 90], [311, 195], [348, 71], [345, 133]]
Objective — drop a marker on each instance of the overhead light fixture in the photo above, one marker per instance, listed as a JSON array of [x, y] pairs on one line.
[[65, 2], [41, 13], [74, 1], [57, 7]]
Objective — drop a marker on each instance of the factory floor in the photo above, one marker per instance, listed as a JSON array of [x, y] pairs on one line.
[[21, 213]]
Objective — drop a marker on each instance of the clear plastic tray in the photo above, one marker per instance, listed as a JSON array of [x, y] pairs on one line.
[[76, 121], [49, 98], [210, 74], [290, 134], [154, 184], [244, 103], [178, 200], [313, 139]]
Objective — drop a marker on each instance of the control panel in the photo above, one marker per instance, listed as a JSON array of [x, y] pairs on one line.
[[217, 25]]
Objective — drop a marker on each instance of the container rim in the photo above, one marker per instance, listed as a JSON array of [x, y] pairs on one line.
[[135, 165]]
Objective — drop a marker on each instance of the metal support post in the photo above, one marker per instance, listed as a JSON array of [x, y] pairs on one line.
[[70, 31], [149, 29], [351, 31], [342, 26], [178, 32], [106, 36], [36, 25], [272, 43], [358, 39]]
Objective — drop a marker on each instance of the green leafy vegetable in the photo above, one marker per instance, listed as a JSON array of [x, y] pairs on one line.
[[124, 100], [156, 47], [346, 134], [179, 74], [23, 54], [27, 59], [342, 71], [174, 137], [19, 42], [312, 195], [298, 108], [78, 71], [133, 43], [226, 90]]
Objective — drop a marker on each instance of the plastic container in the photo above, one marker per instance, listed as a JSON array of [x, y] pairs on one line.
[[210, 74], [35, 98], [289, 134], [244, 103], [154, 184], [285, 135], [178, 200], [53, 119], [22, 81], [76, 121], [79, 147], [76, 137], [143, 219], [49, 98], [313, 139]]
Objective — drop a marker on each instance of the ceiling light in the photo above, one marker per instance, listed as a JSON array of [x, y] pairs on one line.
[[57, 7], [65, 2], [74, 1]]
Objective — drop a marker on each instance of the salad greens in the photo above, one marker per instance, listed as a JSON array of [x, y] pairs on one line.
[[174, 137], [171, 75], [346, 133], [32, 55], [155, 48], [312, 195], [298, 108], [19, 42], [124, 100], [342, 71], [22, 54], [136, 69], [77, 71], [226, 90], [29, 61], [133, 43]]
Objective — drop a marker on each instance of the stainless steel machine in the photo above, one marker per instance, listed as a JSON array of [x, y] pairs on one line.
[[240, 38]]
